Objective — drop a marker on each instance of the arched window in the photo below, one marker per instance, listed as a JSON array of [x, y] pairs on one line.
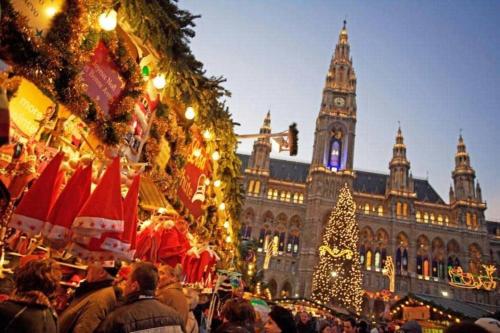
[[426, 267], [282, 195], [440, 219], [404, 260], [377, 259], [380, 211], [398, 209], [383, 257], [275, 195], [441, 270], [418, 216], [368, 258], [426, 217], [296, 197], [296, 246], [335, 154], [398, 260], [405, 209], [246, 232], [362, 255], [270, 193], [433, 218], [250, 186], [288, 196], [301, 198], [289, 244], [256, 189], [468, 219], [474, 221], [262, 236], [419, 265], [281, 245], [367, 208], [446, 220], [434, 268]]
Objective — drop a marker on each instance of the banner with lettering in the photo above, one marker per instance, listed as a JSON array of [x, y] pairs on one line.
[[416, 313], [103, 81], [195, 176], [39, 13]]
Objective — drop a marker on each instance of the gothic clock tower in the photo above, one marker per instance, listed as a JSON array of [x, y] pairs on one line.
[[333, 152]]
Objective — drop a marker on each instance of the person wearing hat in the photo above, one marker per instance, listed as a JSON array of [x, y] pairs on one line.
[[280, 320], [93, 300]]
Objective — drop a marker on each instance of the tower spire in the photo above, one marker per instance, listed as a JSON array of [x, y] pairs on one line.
[[399, 166], [463, 174]]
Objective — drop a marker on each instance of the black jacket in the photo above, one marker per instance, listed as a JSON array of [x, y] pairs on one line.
[[28, 312], [142, 312]]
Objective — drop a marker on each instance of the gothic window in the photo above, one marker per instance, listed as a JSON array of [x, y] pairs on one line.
[[418, 216], [404, 260], [446, 220], [246, 232], [275, 195], [295, 197], [282, 195], [434, 268], [441, 270], [383, 257], [368, 258], [301, 198], [398, 209], [281, 246], [426, 217], [474, 221], [250, 186], [398, 260], [289, 244], [419, 265], [426, 267], [335, 154], [362, 255], [288, 196], [440, 219], [377, 259], [405, 209], [468, 219], [276, 240], [295, 246], [367, 208], [262, 236], [270, 193], [432, 218], [256, 189], [380, 211]]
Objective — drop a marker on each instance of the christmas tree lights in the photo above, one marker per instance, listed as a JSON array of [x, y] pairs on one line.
[[337, 278]]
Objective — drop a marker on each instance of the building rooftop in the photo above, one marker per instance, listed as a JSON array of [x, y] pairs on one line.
[[365, 182]]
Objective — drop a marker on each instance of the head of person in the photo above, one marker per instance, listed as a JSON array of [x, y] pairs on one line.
[[238, 310], [97, 272], [349, 325], [492, 325], [38, 275], [169, 274], [325, 328], [280, 320], [411, 326], [191, 297], [304, 317], [468, 328], [362, 327], [143, 278]]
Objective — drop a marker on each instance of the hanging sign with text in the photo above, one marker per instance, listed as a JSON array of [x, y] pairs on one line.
[[104, 83], [195, 176], [39, 13]]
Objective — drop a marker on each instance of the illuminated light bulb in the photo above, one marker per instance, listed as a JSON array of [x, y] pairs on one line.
[[159, 81], [215, 155], [108, 20], [162, 210], [229, 239], [226, 224], [51, 11], [189, 114], [207, 135], [217, 183], [197, 152], [207, 182], [334, 274], [222, 206]]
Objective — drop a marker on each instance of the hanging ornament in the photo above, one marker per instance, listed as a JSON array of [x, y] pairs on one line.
[[145, 71], [189, 114], [159, 81], [207, 135], [216, 155], [108, 20]]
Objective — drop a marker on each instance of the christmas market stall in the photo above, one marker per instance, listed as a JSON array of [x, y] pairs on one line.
[[433, 313], [114, 144], [311, 307]]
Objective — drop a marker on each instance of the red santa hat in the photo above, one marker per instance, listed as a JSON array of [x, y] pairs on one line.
[[124, 244], [103, 211], [67, 206], [32, 212]]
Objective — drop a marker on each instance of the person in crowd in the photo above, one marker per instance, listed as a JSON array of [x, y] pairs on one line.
[[362, 327], [192, 298], [325, 327], [6, 288], [411, 326], [141, 310], [238, 315], [349, 325], [467, 328], [94, 298], [305, 323], [280, 320], [170, 290], [492, 325], [29, 309]]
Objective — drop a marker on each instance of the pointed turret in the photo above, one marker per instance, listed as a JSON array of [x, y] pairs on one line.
[[479, 195], [452, 194], [399, 166], [464, 174], [259, 160]]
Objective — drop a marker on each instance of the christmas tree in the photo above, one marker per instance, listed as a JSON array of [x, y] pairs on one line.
[[337, 277]]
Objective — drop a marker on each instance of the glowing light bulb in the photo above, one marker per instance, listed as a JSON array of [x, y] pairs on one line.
[[207, 182], [334, 274], [207, 135], [159, 81], [108, 20], [197, 152], [189, 114], [51, 11], [229, 239], [217, 183], [215, 155], [226, 224], [222, 206]]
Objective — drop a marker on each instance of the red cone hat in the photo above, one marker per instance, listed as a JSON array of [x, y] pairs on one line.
[[32, 212], [67, 206], [103, 211]]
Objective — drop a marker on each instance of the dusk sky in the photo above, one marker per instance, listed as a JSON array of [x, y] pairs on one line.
[[433, 65]]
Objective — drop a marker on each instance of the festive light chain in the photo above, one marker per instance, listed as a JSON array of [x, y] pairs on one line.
[[335, 252], [390, 273]]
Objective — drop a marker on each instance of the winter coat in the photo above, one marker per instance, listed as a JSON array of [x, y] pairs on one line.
[[91, 304], [307, 327], [192, 324], [29, 312], [234, 328], [142, 312], [173, 296]]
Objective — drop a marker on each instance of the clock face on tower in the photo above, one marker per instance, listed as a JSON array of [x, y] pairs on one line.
[[339, 101]]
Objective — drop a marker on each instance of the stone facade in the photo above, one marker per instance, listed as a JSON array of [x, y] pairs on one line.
[[288, 203]]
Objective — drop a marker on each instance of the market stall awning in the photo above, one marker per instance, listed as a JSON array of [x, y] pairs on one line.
[[456, 308], [150, 196]]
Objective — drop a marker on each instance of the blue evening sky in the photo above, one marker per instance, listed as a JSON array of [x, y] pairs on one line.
[[433, 65]]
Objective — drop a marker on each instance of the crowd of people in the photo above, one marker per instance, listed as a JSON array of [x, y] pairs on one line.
[[146, 298]]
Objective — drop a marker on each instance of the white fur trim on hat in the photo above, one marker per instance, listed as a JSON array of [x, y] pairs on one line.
[[29, 225]]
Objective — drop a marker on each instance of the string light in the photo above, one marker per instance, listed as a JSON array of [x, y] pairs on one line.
[[222, 206], [207, 182], [217, 183], [207, 135], [159, 81], [51, 11], [229, 239], [108, 20], [189, 114], [338, 278], [226, 224], [216, 155]]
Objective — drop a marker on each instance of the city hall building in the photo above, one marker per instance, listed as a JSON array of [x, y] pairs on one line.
[[288, 203]]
